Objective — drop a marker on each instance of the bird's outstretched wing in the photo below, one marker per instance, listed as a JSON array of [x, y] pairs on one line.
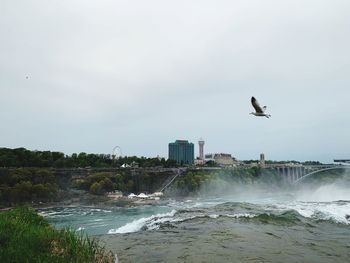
[[256, 105]]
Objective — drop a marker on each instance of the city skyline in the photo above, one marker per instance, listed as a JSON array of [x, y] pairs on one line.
[[86, 76]]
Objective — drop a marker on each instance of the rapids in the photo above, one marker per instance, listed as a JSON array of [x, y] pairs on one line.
[[254, 226]]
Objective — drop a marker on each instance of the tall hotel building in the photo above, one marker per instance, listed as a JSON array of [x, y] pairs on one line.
[[181, 151]]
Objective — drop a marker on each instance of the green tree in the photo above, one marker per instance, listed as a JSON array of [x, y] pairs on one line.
[[96, 188], [107, 185], [130, 186], [22, 191]]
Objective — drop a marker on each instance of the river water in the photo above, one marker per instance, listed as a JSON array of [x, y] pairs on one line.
[[256, 225]]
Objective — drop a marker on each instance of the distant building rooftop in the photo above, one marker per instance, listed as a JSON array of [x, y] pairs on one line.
[[181, 141]]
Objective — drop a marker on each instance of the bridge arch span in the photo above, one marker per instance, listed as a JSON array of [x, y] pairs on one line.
[[319, 171]]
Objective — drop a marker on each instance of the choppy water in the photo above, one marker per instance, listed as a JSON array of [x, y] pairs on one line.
[[273, 227]]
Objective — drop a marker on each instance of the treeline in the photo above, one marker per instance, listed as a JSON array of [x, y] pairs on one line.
[[21, 157], [25, 185]]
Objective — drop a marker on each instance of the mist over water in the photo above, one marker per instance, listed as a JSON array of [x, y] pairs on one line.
[[325, 193], [224, 222], [339, 189]]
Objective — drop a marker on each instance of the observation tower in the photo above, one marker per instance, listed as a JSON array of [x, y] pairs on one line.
[[201, 149]]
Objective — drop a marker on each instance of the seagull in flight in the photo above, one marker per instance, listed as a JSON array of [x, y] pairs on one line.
[[258, 110]]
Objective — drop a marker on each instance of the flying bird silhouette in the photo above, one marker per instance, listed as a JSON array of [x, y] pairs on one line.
[[258, 110]]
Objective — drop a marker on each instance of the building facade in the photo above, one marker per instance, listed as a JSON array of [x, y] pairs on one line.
[[262, 160], [221, 159], [182, 151]]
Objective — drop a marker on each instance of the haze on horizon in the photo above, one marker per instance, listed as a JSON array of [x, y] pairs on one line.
[[88, 75]]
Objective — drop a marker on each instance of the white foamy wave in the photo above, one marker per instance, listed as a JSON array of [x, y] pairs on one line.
[[241, 215], [100, 210], [151, 222], [56, 214], [72, 211], [335, 211]]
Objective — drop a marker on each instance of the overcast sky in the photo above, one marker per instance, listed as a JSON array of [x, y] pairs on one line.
[[79, 75]]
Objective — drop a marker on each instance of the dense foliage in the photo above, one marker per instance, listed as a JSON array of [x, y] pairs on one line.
[[123, 181], [22, 157], [27, 237], [23, 185], [100, 183]]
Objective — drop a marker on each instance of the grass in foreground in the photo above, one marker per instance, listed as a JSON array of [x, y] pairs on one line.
[[26, 236]]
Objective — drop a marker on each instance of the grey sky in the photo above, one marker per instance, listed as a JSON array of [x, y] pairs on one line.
[[140, 74]]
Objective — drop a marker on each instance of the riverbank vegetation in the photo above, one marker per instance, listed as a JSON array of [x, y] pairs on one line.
[[25, 236], [25, 185], [100, 183], [123, 181]]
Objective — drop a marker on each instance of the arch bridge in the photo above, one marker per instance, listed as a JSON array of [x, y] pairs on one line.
[[294, 174]]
